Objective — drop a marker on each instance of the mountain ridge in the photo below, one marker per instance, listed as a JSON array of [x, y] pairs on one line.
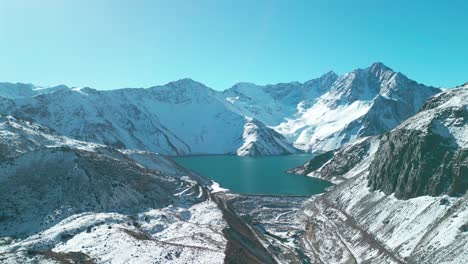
[[314, 116]]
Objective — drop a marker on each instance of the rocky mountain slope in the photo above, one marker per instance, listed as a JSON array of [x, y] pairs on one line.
[[428, 153], [365, 217], [66, 201], [335, 166]]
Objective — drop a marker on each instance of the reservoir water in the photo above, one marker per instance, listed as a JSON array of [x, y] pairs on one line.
[[256, 175]]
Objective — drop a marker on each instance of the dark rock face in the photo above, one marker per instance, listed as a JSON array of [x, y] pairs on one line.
[[345, 159], [412, 163], [318, 161]]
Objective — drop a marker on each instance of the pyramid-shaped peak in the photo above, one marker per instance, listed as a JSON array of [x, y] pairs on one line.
[[328, 75], [379, 67]]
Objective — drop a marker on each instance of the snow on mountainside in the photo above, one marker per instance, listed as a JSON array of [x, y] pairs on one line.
[[63, 200], [334, 166], [271, 104], [325, 113], [364, 102], [260, 140], [182, 117], [19, 136], [364, 219], [186, 117], [19, 90], [428, 153]]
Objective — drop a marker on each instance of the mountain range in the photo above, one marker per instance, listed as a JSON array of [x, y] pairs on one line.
[[186, 117], [85, 176]]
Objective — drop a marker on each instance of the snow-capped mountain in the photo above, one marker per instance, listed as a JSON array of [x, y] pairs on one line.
[[182, 117], [19, 90], [364, 102], [325, 113], [400, 197], [260, 140], [186, 117], [272, 104], [68, 201]]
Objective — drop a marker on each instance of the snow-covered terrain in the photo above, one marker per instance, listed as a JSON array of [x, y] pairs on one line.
[[66, 201], [260, 140], [337, 166], [361, 103], [357, 223], [167, 235], [186, 117], [19, 90], [272, 104], [182, 117], [84, 179], [325, 113]]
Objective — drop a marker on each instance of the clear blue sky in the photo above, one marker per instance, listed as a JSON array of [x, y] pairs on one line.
[[134, 43]]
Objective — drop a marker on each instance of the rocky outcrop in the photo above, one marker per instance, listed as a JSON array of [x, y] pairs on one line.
[[314, 164], [427, 154], [334, 165]]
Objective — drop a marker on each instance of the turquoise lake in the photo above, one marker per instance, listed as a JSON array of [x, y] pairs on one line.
[[256, 175]]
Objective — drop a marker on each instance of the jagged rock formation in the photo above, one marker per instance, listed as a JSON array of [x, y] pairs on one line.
[[428, 153]]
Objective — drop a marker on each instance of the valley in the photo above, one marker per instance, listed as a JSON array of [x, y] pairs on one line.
[[367, 167]]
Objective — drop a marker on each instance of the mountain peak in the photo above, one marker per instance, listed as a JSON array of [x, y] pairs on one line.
[[463, 85], [329, 74], [379, 67], [188, 83], [185, 81], [22, 90]]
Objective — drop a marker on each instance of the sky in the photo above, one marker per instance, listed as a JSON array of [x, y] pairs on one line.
[[109, 44]]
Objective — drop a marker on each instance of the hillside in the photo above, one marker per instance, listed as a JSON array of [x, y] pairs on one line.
[[63, 200], [416, 208]]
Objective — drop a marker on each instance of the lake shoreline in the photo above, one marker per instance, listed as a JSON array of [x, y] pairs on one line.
[[260, 176]]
